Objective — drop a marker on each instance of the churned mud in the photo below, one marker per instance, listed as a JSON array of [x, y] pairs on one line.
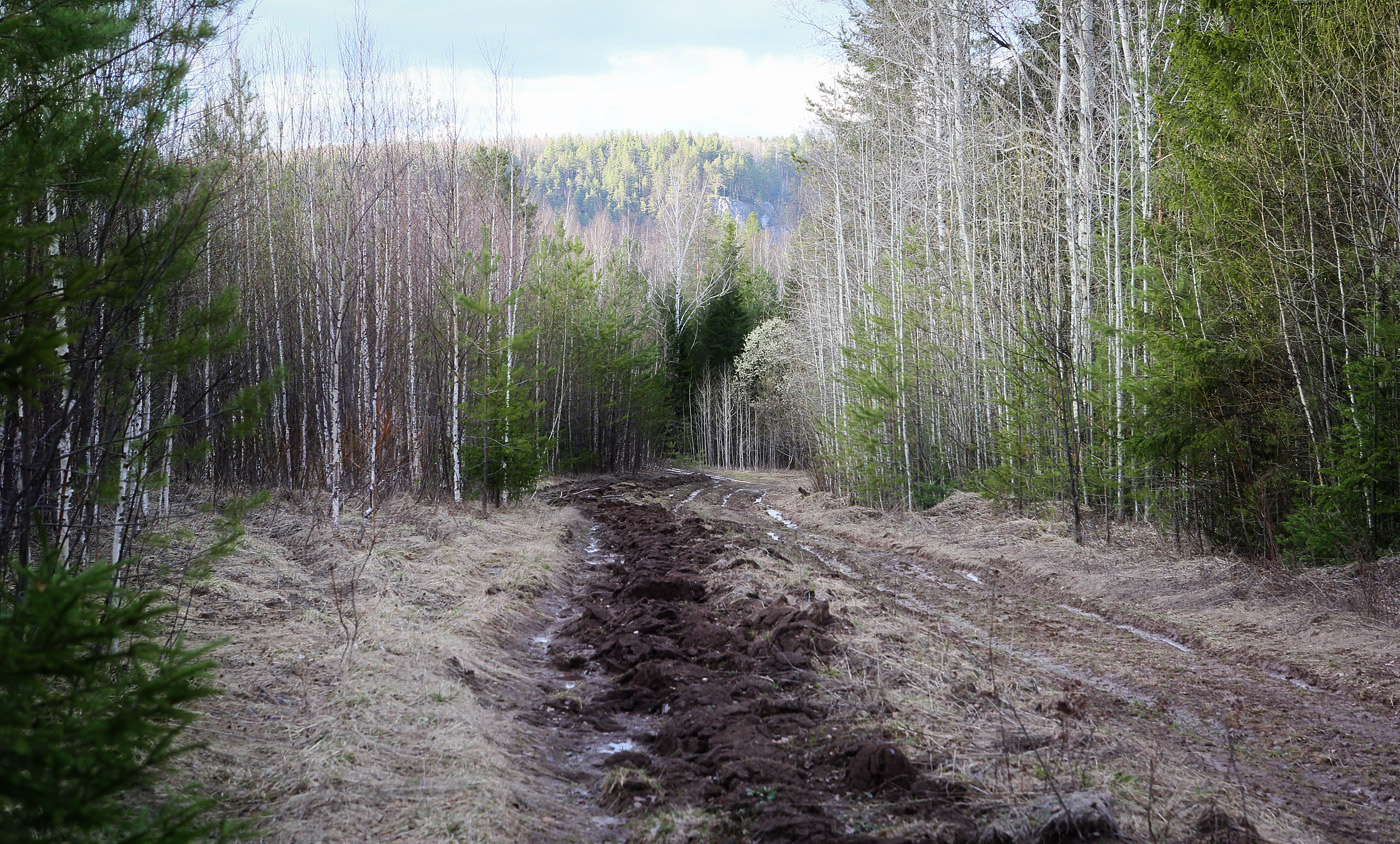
[[718, 691]]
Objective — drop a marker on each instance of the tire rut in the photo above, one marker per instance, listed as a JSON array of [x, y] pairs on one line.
[[1331, 760]]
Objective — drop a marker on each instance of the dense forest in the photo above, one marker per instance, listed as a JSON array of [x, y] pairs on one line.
[[1137, 257], [629, 177]]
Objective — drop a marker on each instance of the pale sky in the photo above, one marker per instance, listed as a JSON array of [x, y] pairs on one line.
[[736, 67]]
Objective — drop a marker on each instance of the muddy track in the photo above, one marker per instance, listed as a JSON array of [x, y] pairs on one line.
[[711, 693], [1304, 747], [689, 658], [691, 699]]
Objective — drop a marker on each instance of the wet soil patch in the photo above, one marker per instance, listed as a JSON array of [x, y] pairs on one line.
[[718, 690]]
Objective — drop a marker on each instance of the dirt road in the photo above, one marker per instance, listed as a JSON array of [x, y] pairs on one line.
[[747, 662], [689, 657]]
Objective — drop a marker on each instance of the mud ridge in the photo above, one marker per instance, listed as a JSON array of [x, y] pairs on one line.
[[719, 690]]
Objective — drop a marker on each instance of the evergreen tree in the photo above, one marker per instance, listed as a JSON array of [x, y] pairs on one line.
[[503, 442], [94, 697], [607, 403], [98, 232], [100, 226], [871, 466], [1270, 340]]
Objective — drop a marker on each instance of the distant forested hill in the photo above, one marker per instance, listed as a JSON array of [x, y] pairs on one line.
[[619, 174]]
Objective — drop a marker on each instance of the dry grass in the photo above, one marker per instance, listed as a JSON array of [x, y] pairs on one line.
[[368, 676], [625, 789], [962, 701], [973, 715], [677, 825], [1328, 627]]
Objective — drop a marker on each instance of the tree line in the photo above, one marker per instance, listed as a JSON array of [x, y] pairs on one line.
[[623, 175], [416, 323]]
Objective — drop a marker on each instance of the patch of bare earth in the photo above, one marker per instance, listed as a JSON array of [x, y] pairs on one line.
[[712, 671]]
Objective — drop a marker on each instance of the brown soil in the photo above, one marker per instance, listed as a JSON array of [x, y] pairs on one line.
[[725, 683], [709, 640]]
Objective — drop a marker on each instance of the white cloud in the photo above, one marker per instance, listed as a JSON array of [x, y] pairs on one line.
[[720, 90], [705, 90]]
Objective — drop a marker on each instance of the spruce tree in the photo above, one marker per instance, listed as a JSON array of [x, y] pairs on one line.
[[94, 698], [504, 442], [100, 226]]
